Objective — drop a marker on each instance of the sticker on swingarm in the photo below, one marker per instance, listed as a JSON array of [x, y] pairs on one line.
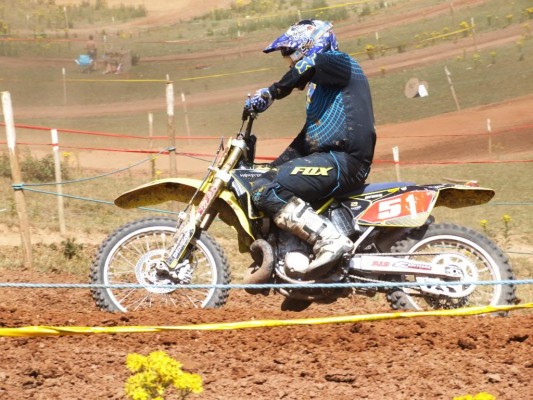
[[394, 265]]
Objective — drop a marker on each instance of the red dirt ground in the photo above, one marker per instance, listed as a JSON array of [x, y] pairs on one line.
[[425, 358]]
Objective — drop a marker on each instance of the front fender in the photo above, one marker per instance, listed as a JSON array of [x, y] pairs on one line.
[[182, 189]]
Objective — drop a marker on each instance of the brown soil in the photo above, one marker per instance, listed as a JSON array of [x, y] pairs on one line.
[[425, 358]]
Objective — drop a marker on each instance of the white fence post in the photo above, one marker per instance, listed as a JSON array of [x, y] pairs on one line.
[[449, 76], [396, 158], [187, 127], [170, 127], [489, 130], [59, 187]]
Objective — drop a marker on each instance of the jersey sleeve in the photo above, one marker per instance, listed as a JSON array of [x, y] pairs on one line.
[[331, 68], [296, 78]]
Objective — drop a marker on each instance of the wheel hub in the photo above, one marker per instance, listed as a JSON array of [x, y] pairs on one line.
[[457, 265], [148, 272]]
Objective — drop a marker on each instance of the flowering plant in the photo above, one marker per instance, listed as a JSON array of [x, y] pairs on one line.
[[156, 373]]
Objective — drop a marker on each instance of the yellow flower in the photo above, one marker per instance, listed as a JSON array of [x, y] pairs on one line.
[[156, 373], [506, 218], [483, 223]]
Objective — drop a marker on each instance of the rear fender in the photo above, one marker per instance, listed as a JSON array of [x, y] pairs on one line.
[[182, 190], [459, 196]]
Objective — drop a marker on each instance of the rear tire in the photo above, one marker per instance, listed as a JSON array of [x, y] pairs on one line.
[[127, 256], [485, 259]]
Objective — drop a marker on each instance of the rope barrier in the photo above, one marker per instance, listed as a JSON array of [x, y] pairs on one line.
[[271, 158], [122, 136], [346, 285], [20, 185], [269, 323], [28, 186]]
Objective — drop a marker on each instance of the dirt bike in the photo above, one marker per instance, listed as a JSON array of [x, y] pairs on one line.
[[395, 241]]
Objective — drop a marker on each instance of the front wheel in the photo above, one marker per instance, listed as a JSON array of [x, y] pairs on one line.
[[132, 255], [474, 254]]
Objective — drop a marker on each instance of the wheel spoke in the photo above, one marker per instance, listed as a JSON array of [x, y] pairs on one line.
[[468, 252], [135, 258]]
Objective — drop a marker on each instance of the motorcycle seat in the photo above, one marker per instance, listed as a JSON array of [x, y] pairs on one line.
[[373, 187]]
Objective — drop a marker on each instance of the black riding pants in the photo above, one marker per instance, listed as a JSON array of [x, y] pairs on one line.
[[312, 178]]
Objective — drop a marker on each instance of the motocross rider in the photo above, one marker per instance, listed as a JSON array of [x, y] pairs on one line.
[[333, 152]]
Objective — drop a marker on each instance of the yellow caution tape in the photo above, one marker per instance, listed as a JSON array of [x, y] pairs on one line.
[[79, 330], [163, 80], [116, 80], [227, 74]]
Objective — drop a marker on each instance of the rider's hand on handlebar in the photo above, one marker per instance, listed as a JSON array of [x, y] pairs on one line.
[[260, 101]]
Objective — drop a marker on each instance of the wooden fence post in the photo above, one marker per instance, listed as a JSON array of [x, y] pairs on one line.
[[16, 175], [449, 76], [64, 74]]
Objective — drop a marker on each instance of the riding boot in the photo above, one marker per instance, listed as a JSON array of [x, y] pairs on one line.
[[298, 218]]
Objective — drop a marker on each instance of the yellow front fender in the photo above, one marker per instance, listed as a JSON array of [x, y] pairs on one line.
[[182, 189]]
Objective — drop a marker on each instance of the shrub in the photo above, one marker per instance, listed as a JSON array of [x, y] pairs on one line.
[[34, 169]]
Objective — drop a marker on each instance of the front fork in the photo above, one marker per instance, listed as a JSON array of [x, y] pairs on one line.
[[201, 218]]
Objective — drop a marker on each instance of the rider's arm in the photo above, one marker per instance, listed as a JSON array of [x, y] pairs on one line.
[[294, 78], [326, 69]]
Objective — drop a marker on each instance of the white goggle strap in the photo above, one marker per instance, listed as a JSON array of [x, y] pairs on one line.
[[321, 31]]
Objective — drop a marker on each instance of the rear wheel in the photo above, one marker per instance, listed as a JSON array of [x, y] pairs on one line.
[[131, 255], [476, 256]]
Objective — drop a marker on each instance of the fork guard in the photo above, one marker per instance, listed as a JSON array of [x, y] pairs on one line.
[[182, 190]]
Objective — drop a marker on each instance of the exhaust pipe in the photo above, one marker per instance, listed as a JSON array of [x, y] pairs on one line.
[[262, 268]]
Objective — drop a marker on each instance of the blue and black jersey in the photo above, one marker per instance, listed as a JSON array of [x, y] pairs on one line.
[[340, 116]]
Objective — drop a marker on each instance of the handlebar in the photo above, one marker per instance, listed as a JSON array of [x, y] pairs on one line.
[[248, 115]]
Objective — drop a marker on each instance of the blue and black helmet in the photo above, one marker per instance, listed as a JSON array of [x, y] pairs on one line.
[[305, 38]]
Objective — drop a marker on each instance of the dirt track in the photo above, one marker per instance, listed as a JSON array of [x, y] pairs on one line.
[[430, 358]]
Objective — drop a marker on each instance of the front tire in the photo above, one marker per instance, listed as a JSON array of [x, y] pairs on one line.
[[129, 256], [480, 257]]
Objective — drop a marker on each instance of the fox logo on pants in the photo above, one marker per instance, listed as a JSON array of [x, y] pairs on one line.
[[314, 171]]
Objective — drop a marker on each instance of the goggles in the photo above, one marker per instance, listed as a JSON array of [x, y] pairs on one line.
[[287, 51]]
